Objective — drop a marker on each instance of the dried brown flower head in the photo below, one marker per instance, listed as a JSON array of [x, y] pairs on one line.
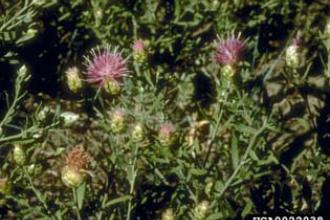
[[77, 158]]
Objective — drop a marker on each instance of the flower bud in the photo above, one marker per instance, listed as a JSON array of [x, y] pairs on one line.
[[72, 178], [138, 133], [200, 210], [228, 71], [168, 214], [19, 155], [208, 187], [293, 56], [118, 121], [22, 72], [44, 113], [139, 51], [98, 14], [74, 82], [167, 136], [112, 87], [5, 186], [76, 162]]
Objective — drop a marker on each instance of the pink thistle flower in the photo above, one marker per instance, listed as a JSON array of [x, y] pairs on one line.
[[140, 53], [167, 136], [229, 51], [105, 66], [166, 129], [138, 47]]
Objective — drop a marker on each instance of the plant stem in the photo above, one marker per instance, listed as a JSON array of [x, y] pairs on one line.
[[243, 161], [215, 130], [132, 182], [38, 194], [74, 193]]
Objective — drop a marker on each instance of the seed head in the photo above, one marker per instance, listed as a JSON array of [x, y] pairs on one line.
[[104, 66], [229, 51]]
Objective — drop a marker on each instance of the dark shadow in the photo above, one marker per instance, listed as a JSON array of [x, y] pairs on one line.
[[205, 92], [294, 149], [151, 200], [325, 201], [323, 127]]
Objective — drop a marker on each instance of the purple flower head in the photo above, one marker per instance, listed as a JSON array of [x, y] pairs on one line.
[[105, 65], [138, 46], [229, 51]]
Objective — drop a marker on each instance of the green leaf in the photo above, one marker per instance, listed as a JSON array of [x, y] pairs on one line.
[[247, 209], [81, 195], [246, 129], [253, 155], [198, 172], [117, 200], [234, 151], [215, 216], [58, 214]]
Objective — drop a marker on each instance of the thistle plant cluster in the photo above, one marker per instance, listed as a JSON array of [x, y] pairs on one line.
[[164, 110]]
